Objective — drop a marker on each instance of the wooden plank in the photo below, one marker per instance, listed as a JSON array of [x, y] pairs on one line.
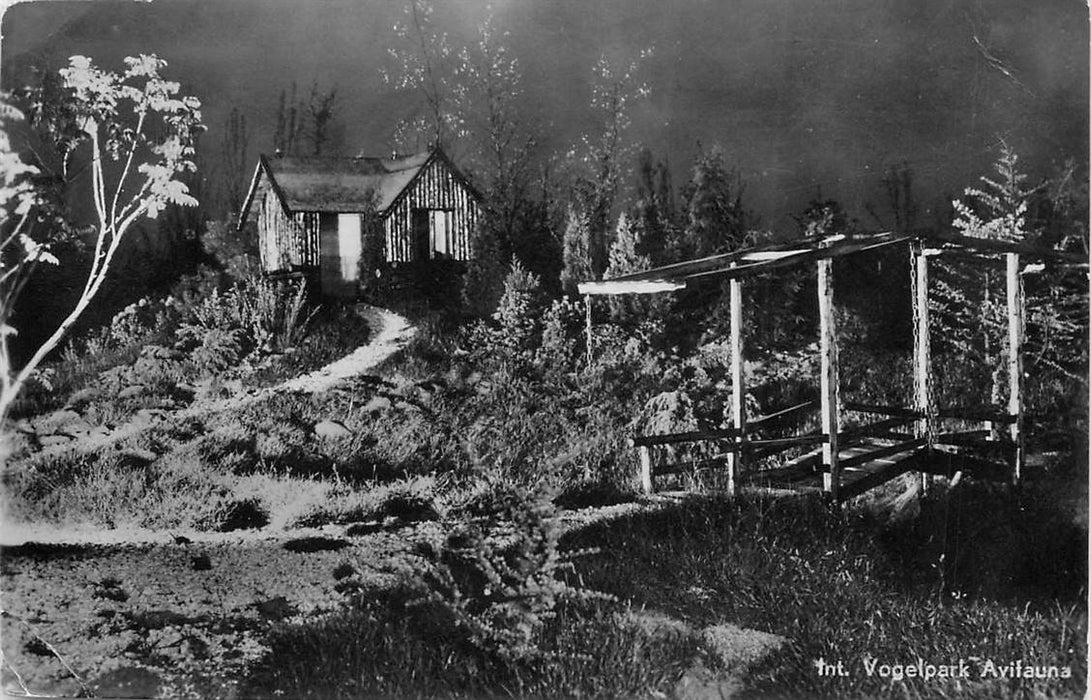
[[828, 391], [777, 416], [878, 477], [882, 410], [882, 452], [693, 436], [1015, 305], [629, 287], [792, 441]]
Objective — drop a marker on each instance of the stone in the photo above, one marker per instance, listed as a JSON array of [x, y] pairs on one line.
[[331, 430], [378, 404], [77, 428], [51, 422], [365, 528], [738, 647], [132, 391], [81, 398], [56, 440]]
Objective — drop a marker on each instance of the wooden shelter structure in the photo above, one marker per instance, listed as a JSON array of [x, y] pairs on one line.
[[310, 214], [847, 461]]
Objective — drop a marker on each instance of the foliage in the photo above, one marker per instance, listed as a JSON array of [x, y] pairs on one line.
[[482, 284], [497, 570], [625, 259], [235, 250], [969, 303], [259, 315], [141, 137], [716, 221], [576, 251], [518, 313]]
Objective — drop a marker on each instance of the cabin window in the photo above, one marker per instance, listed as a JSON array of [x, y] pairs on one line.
[[433, 233]]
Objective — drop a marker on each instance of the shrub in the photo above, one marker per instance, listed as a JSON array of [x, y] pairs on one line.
[[258, 315], [498, 572]]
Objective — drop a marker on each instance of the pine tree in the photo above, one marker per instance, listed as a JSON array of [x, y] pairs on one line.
[[520, 309], [716, 222], [577, 251], [624, 259]]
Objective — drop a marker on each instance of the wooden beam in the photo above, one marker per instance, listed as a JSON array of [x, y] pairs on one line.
[[738, 385], [922, 351], [691, 436], [777, 416], [645, 455], [611, 287], [881, 452], [827, 342], [1015, 362]]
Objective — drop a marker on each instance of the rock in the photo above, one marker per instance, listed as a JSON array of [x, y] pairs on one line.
[[99, 431], [56, 440], [201, 562], [138, 457], [378, 404], [275, 608], [331, 430], [738, 647], [364, 528], [52, 422], [132, 391], [77, 428], [81, 398], [657, 625]]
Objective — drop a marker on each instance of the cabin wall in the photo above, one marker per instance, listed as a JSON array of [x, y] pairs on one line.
[[286, 243], [437, 188]]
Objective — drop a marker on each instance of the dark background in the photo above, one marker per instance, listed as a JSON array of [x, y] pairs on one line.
[[805, 97]]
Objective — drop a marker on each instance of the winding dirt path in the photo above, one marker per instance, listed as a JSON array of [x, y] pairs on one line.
[[390, 332]]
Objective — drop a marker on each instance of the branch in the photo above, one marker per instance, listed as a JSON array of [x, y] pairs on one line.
[[128, 164]]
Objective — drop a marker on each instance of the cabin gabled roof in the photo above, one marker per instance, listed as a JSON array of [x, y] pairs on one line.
[[339, 185]]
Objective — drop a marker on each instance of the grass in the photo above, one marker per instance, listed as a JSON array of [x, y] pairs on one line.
[[838, 586]]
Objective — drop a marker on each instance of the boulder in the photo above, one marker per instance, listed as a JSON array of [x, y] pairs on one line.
[[331, 430], [81, 398], [132, 391], [55, 440], [77, 428], [378, 404]]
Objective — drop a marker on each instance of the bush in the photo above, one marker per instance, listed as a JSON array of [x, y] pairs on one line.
[[498, 572], [259, 315]]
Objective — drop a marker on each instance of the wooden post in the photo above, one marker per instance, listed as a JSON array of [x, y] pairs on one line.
[[645, 454], [1015, 362], [587, 303], [922, 351], [827, 332], [736, 459]]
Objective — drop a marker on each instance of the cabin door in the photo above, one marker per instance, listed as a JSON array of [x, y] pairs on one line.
[[422, 243]]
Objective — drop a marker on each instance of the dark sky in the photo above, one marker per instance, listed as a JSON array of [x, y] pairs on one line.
[[801, 94]]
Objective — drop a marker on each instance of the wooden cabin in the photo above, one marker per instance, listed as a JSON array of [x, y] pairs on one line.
[[309, 213]]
